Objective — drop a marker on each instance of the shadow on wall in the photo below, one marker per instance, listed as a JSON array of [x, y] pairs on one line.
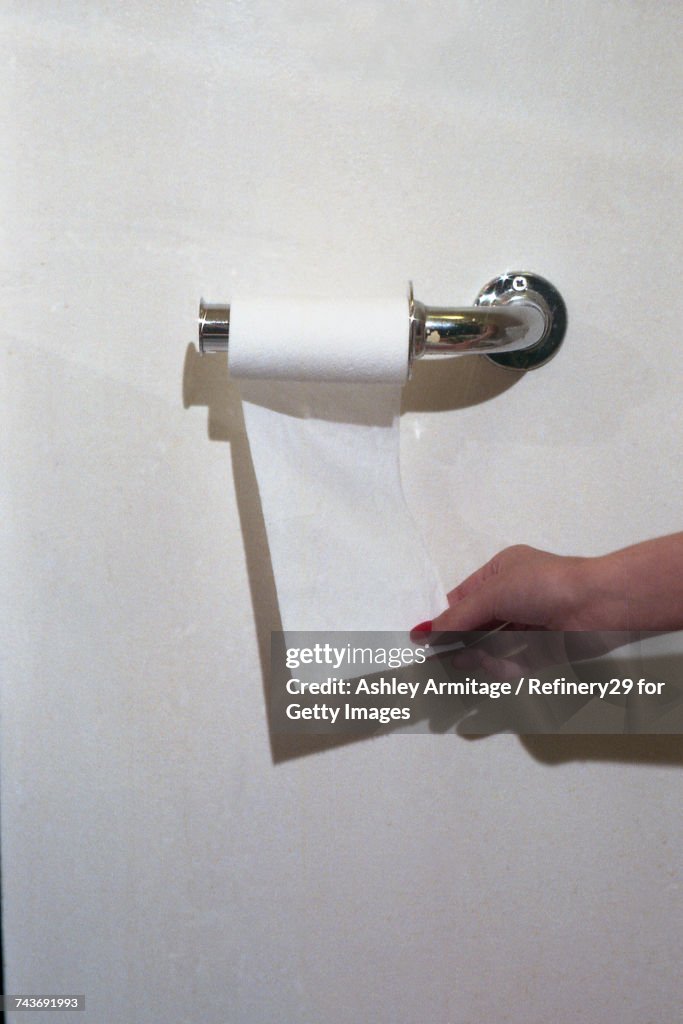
[[665, 750], [435, 386], [206, 382], [439, 385]]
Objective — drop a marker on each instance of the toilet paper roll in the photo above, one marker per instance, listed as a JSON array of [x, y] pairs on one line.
[[345, 550], [299, 339]]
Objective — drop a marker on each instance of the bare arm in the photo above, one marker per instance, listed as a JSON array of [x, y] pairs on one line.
[[636, 588]]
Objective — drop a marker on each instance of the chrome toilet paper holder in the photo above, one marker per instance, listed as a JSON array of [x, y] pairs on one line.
[[518, 320]]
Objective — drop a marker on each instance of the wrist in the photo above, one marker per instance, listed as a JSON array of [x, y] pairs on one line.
[[598, 595]]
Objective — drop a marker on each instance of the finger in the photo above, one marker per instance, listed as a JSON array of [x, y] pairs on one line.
[[473, 611]]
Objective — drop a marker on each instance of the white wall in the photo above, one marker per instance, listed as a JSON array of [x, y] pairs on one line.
[[154, 855]]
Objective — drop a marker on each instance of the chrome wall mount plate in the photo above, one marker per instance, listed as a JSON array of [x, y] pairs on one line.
[[517, 287]]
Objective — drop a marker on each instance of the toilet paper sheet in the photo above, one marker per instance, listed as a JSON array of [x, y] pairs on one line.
[[346, 551]]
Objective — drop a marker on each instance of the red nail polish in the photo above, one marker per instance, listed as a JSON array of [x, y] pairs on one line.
[[419, 633]]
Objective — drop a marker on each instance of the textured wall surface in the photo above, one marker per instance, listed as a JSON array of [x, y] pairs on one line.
[[155, 855]]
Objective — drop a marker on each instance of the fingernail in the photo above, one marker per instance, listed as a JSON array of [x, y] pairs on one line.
[[419, 633]]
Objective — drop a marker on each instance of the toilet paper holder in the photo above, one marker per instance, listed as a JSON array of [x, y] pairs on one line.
[[518, 320]]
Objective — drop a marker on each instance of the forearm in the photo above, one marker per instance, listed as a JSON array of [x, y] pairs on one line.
[[639, 587]]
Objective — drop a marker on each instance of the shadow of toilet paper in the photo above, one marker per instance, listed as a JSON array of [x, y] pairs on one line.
[[206, 382]]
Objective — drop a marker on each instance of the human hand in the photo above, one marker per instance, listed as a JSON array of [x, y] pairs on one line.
[[605, 598], [525, 588]]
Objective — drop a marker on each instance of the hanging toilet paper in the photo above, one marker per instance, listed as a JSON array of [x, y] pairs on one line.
[[324, 437]]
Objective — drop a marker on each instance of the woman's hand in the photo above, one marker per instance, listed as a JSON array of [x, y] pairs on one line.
[[611, 597], [636, 588]]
